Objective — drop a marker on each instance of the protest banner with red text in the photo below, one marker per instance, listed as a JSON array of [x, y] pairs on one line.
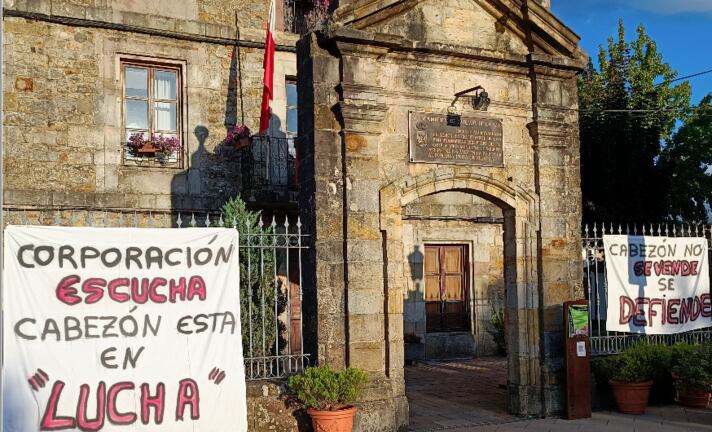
[[657, 285], [122, 329]]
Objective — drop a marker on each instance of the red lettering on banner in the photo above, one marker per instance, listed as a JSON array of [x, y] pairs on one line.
[[706, 301], [93, 287], [95, 424], [112, 413], [188, 395], [157, 402], [670, 311], [639, 315], [66, 293], [138, 290], [625, 317], [116, 296], [50, 421]]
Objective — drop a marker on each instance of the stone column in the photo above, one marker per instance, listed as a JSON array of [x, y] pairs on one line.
[[362, 111], [556, 146], [321, 205], [339, 127]]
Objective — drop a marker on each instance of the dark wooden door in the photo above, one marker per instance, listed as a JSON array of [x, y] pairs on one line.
[[295, 305], [446, 288]]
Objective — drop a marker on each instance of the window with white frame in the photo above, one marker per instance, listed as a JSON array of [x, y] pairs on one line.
[[152, 113]]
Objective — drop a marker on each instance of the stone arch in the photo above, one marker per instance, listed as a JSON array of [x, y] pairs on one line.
[[520, 224]]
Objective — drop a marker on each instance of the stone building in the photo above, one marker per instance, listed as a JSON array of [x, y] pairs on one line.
[[423, 219], [81, 75], [421, 228]]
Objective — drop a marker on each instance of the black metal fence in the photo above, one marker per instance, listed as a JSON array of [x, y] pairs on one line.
[[605, 342], [271, 253]]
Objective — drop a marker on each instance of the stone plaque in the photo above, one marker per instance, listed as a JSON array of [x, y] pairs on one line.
[[477, 141]]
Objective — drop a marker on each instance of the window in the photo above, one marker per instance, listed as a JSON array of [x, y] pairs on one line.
[[151, 105], [291, 107]]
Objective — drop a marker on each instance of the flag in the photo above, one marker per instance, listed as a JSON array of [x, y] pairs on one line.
[[268, 64]]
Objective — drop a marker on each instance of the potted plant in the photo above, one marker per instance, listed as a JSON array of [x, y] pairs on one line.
[[632, 373], [160, 145], [693, 376], [238, 136], [327, 395]]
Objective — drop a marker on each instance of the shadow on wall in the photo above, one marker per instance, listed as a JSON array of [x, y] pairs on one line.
[[210, 178], [416, 262]]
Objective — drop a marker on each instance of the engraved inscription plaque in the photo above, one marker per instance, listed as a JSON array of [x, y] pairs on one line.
[[477, 141]]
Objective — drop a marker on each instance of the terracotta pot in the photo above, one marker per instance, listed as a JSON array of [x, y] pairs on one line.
[[631, 398], [333, 421], [694, 398], [148, 149]]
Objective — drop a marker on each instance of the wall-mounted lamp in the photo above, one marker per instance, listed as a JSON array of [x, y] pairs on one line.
[[480, 99]]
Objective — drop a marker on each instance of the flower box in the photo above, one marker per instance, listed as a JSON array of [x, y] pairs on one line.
[[148, 149]]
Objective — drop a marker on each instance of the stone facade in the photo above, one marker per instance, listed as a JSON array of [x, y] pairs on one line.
[[63, 128], [367, 206], [63, 138], [358, 81]]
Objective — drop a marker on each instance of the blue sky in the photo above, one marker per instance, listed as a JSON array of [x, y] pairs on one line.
[[681, 28]]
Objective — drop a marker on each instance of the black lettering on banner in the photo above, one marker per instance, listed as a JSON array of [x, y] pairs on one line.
[[107, 357], [66, 253]]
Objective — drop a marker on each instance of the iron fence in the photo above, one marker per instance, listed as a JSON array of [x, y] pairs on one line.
[[605, 342], [271, 254]]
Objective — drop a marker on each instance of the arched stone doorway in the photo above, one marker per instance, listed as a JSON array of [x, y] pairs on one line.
[[511, 215]]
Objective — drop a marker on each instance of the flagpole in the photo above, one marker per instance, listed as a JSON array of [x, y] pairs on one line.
[[239, 68]]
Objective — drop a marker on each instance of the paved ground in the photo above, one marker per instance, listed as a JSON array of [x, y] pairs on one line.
[[448, 394], [470, 396]]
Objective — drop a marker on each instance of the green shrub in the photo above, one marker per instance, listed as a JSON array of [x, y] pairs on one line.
[[641, 362], [497, 330], [325, 389], [258, 290], [693, 368], [680, 350]]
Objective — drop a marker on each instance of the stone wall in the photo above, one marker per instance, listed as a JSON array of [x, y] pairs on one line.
[[381, 61], [455, 218], [63, 135]]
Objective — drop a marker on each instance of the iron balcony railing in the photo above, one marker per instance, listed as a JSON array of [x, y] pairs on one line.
[[605, 342], [271, 253], [269, 163]]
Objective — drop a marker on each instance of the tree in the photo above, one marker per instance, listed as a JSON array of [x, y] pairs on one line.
[[260, 290], [686, 162], [628, 107]]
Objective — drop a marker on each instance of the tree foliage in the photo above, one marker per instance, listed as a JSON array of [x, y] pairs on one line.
[[260, 291], [628, 108], [686, 163]]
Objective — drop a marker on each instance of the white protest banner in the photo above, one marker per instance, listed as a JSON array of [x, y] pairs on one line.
[[122, 329], [657, 285]]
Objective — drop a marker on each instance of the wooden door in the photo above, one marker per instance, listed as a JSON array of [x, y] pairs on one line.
[[446, 275], [295, 305]]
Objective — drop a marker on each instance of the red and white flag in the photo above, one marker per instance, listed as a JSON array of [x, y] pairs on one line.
[[268, 64]]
